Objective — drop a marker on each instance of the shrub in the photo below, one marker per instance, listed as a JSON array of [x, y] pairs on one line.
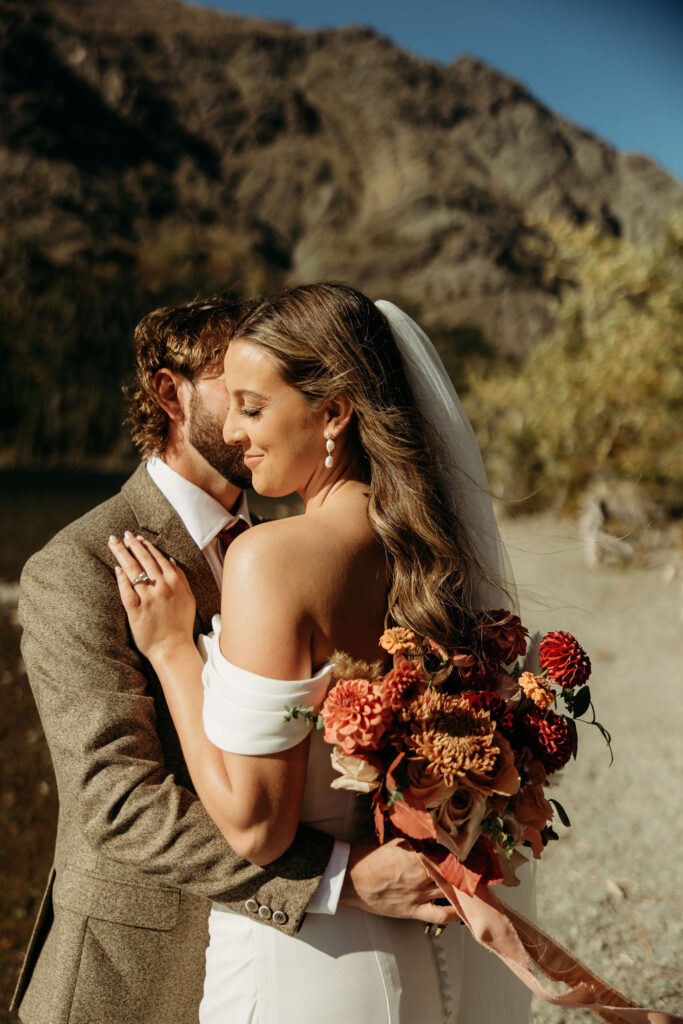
[[602, 396]]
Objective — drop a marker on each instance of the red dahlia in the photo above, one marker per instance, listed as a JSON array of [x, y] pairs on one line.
[[503, 636], [549, 738], [564, 658], [496, 707]]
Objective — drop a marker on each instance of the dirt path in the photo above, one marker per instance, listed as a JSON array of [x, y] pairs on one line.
[[610, 890]]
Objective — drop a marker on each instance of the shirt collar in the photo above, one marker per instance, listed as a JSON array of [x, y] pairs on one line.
[[202, 516]]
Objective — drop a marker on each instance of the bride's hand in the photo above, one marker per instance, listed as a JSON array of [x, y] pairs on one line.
[[160, 606]]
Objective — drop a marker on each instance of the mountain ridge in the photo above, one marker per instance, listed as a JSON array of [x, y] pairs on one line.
[[161, 149]]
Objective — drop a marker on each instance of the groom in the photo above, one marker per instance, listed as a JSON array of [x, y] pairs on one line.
[[122, 928]]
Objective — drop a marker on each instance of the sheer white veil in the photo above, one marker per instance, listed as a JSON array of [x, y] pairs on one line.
[[460, 462]]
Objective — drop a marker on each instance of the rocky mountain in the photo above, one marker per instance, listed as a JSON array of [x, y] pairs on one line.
[[324, 153], [207, 150]]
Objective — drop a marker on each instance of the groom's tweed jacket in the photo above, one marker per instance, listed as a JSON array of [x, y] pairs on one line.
[[122, 929]]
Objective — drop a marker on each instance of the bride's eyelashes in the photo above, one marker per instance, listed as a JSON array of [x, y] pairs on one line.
[[251, 413]]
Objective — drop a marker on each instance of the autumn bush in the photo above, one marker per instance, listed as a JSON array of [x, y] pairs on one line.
[[602, 397]]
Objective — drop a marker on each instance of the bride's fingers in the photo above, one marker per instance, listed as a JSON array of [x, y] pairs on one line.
[[167, 566], [129, 596], [128, 563], [172, 572], [144, 556]]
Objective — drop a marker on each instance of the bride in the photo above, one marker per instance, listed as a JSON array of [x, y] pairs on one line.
[[346, 403]]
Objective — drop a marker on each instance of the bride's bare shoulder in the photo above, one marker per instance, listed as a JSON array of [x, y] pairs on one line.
[[267, 596], [277, 541], [273, 558]]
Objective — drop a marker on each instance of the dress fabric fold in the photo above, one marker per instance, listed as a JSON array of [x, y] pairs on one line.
[[245, 713]]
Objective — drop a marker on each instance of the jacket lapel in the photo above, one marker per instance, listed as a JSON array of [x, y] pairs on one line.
[[161, 524]]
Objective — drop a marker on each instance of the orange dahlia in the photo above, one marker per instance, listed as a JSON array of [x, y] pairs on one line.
[[398, 681], [537, 689], [355, 716], [398, 639]]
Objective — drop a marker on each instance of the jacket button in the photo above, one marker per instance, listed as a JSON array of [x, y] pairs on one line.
[[279, 917], [264, 913], [251, 906]]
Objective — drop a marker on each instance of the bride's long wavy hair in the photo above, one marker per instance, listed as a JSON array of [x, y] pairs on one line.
[[330, 339]]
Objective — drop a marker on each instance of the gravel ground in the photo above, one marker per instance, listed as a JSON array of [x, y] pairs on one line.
[[610, 889]]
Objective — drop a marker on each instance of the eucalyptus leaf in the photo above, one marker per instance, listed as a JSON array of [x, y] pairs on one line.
[[564, 817], [394, 795]]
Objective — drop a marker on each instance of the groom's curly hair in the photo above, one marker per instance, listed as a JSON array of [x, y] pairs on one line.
[[191, 340]]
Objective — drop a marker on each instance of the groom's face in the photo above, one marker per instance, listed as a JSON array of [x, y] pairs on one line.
[[208, 407]]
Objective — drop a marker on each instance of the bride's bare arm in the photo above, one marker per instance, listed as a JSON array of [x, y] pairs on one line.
[[254, 800]]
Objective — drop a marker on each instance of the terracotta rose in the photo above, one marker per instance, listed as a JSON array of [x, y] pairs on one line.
[[458, 825]]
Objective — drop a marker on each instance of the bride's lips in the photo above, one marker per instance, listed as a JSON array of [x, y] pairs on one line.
[[252, 460]]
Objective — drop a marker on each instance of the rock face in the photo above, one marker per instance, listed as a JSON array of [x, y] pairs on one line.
[[136, 130]]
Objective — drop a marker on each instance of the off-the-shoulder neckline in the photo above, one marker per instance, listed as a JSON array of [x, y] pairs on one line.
[[323, 671]]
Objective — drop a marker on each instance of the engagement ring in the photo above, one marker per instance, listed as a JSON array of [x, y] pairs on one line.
[[141, 577]]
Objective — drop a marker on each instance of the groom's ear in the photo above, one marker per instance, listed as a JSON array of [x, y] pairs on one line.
[[167, 388]]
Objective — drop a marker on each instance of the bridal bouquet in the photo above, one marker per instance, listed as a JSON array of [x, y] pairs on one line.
[[457, 747]]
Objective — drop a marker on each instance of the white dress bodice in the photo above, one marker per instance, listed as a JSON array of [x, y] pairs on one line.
[[346, 968], [246, 714]]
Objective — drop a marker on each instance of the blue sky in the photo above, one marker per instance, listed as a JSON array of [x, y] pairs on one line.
[[613, 66]]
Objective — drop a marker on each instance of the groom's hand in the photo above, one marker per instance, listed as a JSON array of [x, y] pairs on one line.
[[389, 880]]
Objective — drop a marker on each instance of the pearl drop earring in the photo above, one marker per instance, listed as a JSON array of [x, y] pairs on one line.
[[329, 445]]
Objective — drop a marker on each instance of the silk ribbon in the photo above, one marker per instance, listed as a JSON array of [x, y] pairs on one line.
[[522, 946]]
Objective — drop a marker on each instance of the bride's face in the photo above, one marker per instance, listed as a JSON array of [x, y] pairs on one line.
[[280, 436]]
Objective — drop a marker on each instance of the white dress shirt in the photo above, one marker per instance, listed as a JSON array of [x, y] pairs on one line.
[[204, 518]]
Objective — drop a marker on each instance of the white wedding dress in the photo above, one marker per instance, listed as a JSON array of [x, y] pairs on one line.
[[353, 967]]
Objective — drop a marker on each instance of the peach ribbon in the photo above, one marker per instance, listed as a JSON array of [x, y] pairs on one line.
[[521, 945]]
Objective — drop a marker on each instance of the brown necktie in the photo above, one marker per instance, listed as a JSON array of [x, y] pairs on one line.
[[228, 534]]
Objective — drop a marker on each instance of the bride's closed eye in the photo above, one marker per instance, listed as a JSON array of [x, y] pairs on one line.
[[251, 413]]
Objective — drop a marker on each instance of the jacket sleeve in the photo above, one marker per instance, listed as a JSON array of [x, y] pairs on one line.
[[100, 721]]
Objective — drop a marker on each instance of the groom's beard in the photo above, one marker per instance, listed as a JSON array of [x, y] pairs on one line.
[[206, 435]]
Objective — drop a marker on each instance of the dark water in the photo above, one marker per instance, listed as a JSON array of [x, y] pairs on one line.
[[36, 504]]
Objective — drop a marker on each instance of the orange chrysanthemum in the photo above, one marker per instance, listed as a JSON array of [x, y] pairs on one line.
[[451, 735]]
